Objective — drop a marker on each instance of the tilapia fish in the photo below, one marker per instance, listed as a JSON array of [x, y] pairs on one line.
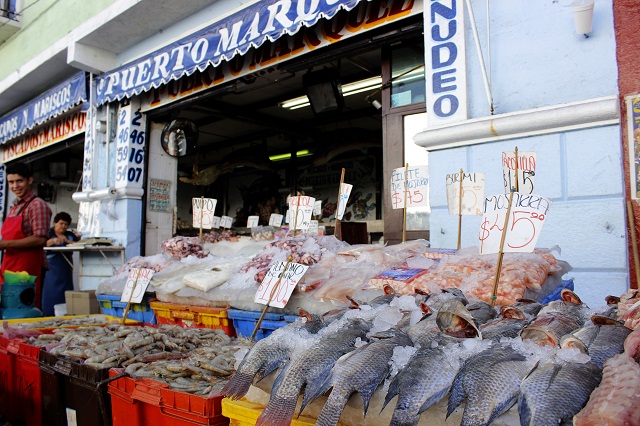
[[601, 340], [549, 328], [456, 321], [570, 305], [271, 353], [310, 370], [360, 371], [509, 324], [490, 381], [554, 393], [424, 381]]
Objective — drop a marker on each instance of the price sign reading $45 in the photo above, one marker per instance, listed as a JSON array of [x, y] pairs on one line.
[[290, 278], [527, 215]]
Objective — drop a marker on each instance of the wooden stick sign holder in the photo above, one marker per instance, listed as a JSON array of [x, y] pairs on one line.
[[201, 215], [126, 310], [338, 230], [277, 284], [460, 209], [404, 214], [496, 281]]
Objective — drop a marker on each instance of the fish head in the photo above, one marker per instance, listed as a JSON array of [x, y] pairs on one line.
[[454, 320], [569, 296], [512, 312], [528, 306], [539, 335], [612, 300], [571, 341], [313, 322], [457, 294], [605, 320], [481, 311]]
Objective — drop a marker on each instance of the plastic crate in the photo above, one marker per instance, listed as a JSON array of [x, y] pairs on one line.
[[556, 295], [144, 402], [246, 413], [111, 305], [193, 316], [27, 382], [245, 321], [72, 389], [91, 320], [7, 392]]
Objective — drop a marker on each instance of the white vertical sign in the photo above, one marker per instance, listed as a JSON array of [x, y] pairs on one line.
[[472, 193], [203, 209], [445, 67], [130, 148], [526, 171], [252, 221], [416, 186], [276, 220], [345, 191], [301, 210]]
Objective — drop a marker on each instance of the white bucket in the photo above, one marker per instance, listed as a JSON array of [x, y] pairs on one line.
[[583, 15], [60, 309]]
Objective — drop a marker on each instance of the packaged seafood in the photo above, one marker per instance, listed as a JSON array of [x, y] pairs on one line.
[[397, 277]]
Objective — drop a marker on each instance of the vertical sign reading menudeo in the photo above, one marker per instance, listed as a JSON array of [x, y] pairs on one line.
[[445, 66]]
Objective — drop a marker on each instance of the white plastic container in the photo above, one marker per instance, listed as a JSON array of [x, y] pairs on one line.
[[60, 309]]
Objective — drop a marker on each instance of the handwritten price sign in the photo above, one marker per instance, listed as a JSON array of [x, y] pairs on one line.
[[528, 213], [290, 278], [345, 191], [226, 222], [472, 193], [252, 221], [417, 187], [276, 220], [526, 171], [203, 209], [317, 208], [215, 222], [136, 284], [304, 206]]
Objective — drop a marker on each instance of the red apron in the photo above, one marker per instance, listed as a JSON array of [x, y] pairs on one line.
[[16, 260]]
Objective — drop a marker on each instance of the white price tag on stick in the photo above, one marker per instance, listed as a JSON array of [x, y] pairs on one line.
[[417, 187], [472, 193], [136, 284], [317, 208], [226, 222], [345, 191], [215, 222], [300, 210], [203, 209], [526, 171], [290, 278], [276, 220], [252, 221], [527, 215]]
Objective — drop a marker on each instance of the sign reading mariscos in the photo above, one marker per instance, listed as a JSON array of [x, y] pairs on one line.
[[236, 46]]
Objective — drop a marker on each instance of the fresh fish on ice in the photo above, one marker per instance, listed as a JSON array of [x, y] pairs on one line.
[[456, 321], [509, 325]]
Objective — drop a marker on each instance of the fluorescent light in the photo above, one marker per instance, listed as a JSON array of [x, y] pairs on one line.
[[347, 89], [280, 157]]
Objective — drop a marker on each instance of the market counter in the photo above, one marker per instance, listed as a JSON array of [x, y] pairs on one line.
[[97, 262]]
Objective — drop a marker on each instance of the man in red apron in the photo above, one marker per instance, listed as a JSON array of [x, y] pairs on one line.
[[25, 229]]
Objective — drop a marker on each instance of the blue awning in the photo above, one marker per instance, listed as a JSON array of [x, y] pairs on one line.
[[51, 103], [234, 35]]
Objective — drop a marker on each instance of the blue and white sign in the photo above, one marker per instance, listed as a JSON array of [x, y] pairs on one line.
[[50, 104], [234, 35], [445, 65], [130, 147]]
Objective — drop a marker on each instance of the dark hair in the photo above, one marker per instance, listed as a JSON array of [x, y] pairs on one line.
[[62, 216], [19, 169]]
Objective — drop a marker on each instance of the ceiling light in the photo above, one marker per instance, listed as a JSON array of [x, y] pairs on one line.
[[286, 156], [347, 90]]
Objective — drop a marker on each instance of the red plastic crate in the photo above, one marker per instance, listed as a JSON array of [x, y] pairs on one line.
[[27, 382], [7, 370], [146, 402]]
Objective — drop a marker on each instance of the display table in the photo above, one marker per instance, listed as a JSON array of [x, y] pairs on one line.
[[92, 267]]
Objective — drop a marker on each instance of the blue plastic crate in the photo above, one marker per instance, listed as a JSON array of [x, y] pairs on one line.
[[245, 321], [556, 295], [111, 305]]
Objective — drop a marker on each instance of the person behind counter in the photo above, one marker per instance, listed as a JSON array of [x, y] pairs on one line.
[[25, 229], [59, 277]]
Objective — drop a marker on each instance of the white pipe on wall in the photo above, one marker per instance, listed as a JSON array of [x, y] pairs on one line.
[[554, 119]]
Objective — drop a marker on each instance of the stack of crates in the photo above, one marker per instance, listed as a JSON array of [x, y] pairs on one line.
[[245, 322], [193, 316]]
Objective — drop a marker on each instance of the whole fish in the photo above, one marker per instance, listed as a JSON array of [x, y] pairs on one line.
[[549, 327], [455, 320], [360, 371], [570, 305], [271, 353], [554, 393], [509, 324], [481, 311], [490, 381], [529, 307], [309, 369], [423, 382]]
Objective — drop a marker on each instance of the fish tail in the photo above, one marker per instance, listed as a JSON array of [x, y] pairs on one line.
[[279, 412], [332, 409], [238, 386], [404, 419]]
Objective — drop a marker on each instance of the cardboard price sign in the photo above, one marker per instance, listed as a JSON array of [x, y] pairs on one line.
[[472, 193], [276, 220], [345, 191], [226, 222], [526, 171], [290, 278], [136, 284], [203, 209], [304, 206], [252, 221], [417, 187], [528, 213]]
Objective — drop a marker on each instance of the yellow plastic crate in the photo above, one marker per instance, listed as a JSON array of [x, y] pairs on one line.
[[193, 316], [28, 321], [246, 413]]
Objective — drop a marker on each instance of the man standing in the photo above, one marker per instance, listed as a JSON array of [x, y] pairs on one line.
[[25, 229]]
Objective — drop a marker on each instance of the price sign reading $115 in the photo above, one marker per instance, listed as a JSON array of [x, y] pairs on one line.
[[130, 147], [140, 279], [527, 215], [417, 187], [290, 278], [304, 207], [526, 171], [472, 193], [203, 209]]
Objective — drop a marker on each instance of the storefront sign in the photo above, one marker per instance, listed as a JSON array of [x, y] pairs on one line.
[[184, 68], [527, 215], [445, 65], [49, 134], [633, 127], [50, 104], [130, 147], [360, 169], [159, 195]]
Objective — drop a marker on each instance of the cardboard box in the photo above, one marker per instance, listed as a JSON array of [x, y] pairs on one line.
[[82, 302]]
